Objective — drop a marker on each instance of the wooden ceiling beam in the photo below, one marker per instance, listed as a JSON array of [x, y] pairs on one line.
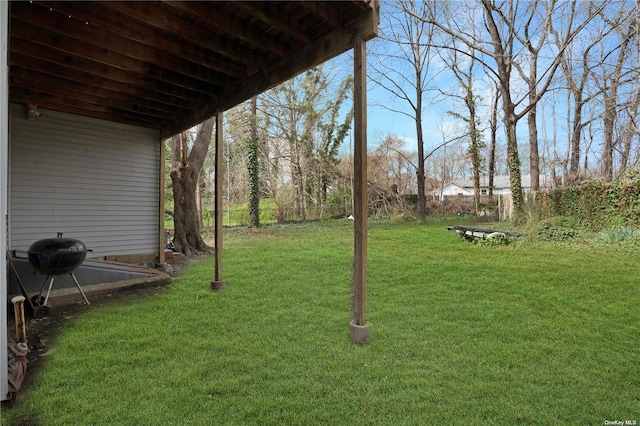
[[170, 65], [46, 100], [69, 89], [31, 95], [104, 21], [313, 54], [21, 63], [100, 101], [268, 13], [225, 22], [153, 80], [179, 27], [106, 47], [323, 10]]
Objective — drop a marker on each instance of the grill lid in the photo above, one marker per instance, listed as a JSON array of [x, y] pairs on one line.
[[56, 256]]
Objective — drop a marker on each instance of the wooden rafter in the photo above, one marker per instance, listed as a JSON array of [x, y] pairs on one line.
[[170, 65]]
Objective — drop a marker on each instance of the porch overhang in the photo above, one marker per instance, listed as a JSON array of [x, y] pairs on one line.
[[170, 65]]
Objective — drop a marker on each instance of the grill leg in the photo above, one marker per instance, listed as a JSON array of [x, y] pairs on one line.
[[44, 285], [46, 299], [75, 280]]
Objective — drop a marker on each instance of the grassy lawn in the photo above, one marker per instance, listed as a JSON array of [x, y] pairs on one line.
[[530, 333], [236, 215]]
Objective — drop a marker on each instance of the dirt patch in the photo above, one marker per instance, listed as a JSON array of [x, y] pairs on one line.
[[42, 332]]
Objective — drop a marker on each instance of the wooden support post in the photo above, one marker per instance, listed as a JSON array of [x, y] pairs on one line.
[[218, 284], [359, 330], [162, 243], [21, 328]]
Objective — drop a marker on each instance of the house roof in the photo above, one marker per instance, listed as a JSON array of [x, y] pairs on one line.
[[171, 64], [460, 183], [499, 182], [504, 182]]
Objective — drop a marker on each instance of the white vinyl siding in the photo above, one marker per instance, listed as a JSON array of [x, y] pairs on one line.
[[93, 180], [4, 188]]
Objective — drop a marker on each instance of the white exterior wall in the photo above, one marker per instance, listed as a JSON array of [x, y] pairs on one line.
[[501, 191], [453, 190], [4, 189], [91, 179]]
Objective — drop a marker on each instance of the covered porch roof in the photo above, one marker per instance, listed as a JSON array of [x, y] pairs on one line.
[[170, 65]]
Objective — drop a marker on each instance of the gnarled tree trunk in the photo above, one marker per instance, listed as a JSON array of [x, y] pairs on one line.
[[185, 168]]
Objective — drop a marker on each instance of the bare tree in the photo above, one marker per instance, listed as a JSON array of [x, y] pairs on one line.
[[288, 107], [463, 68], [504, 45], [612, 78], [404, 70], [536, 21], [576, 64], [390, 166], [500, 47]]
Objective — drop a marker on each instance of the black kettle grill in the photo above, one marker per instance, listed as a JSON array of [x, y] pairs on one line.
[[55, 256]]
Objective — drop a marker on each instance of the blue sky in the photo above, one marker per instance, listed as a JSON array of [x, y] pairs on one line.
[[439, 126], [382, 122]]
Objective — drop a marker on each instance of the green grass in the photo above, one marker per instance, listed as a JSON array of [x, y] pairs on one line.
[[530, 333], [236, 215]]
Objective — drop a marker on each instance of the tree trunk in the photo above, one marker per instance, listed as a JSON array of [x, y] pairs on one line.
[[630, 132], [534, 153], [510, 118], [534, 156], [576, 133], [607, 149], [185, 169], [297, 179], [199, 205], [475, 156], [474, 134], [253, 167], [553, 161], [513, 159], [611, 103], [422, 202], [492, 148]]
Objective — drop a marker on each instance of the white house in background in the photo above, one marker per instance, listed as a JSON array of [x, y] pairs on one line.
[[501, 185]]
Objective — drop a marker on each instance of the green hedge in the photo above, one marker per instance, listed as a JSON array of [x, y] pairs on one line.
[[595, 204]]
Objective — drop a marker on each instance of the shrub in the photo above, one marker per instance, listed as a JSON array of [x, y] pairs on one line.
[[616, 234], [560, 229], [497, 239]]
